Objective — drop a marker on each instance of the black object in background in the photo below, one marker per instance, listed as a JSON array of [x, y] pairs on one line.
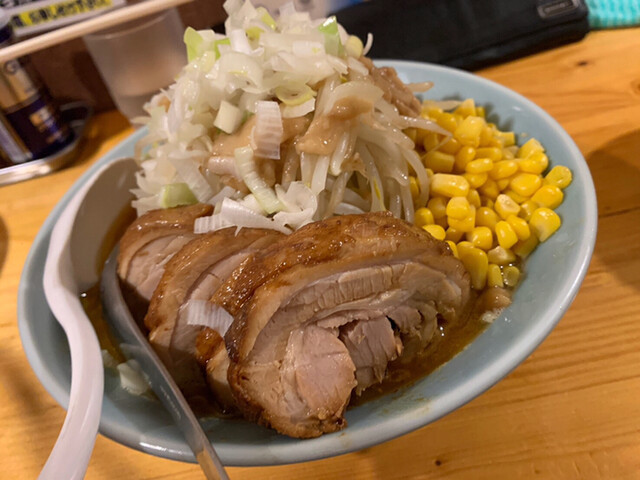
[[466, 34]]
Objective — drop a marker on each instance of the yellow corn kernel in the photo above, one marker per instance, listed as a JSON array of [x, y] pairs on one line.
[[506, 139], [487, 202], [525, 184], [510, 151], [429, 172], [535, 163], [481, 237], [459, 118], [453, 247], [526, 209], [479, 165], [549, 196], [423, 216], [442, 221], [490, 189], [458, 208], [494, 276], [438, 206], [453, 235], [412, 133], [476, 179], [524, 248], [474, 198], [492, 153], [503, 169], [466, 108], [505, 206], [477, 264], [480, 112], [414, 188], [507, 154], [486, 217], [436, 231], [430, 141], [447, 121], [516, 197], [544, 222], [505, 235], [466, 224], [487, 140], [438, 162], [430, 110], [511, 275], [501, 256], [468, 132], [449, 185], [420, 136], [464, 246], [560, 176], [464, 156], [503, 183], [520, 226], [451, 146], [531, 146]]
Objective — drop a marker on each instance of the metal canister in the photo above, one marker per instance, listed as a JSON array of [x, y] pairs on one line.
[[31, 119]]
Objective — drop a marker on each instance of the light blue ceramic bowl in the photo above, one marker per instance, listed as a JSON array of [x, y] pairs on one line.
[[553, 275]]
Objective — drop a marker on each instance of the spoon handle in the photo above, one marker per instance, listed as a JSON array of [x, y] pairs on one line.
[[134, 345]]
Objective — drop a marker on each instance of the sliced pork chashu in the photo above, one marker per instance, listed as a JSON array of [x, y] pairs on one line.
[[148, 244], [324, 310], [194, 273]]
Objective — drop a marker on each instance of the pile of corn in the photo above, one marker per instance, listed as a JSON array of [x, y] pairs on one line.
[[490, 199]]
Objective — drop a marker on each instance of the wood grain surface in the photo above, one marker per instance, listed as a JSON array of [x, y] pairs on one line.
[[570, 411]]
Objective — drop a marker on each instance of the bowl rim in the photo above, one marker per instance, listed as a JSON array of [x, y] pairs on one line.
[[392, 425]]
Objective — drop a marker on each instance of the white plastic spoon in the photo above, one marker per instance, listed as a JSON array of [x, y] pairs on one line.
[[70, 269]]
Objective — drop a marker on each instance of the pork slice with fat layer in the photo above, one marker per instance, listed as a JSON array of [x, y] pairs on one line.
[[194, 273], [146, 247], [316, 306]]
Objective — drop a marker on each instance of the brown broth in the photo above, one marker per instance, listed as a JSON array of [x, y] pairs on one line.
[[446, 344], [90, 299], [93, 308]]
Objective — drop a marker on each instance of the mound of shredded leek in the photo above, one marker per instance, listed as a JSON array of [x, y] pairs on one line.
[[268, 74]]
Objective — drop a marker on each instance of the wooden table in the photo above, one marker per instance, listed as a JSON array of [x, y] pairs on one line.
[[570, 411]]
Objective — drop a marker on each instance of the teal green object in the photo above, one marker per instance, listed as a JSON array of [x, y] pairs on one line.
[[613, 13]]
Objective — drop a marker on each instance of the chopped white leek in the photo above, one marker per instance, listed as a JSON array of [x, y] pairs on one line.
[[131, 378], [299, 110], [332, 41], [176, 194], [107, 359], [193, 40], [207, 314], [248, 170], [233, 213], [228, 118], [190, 174], [294, 94], [239, 41], [354, 46], [267, 134]]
